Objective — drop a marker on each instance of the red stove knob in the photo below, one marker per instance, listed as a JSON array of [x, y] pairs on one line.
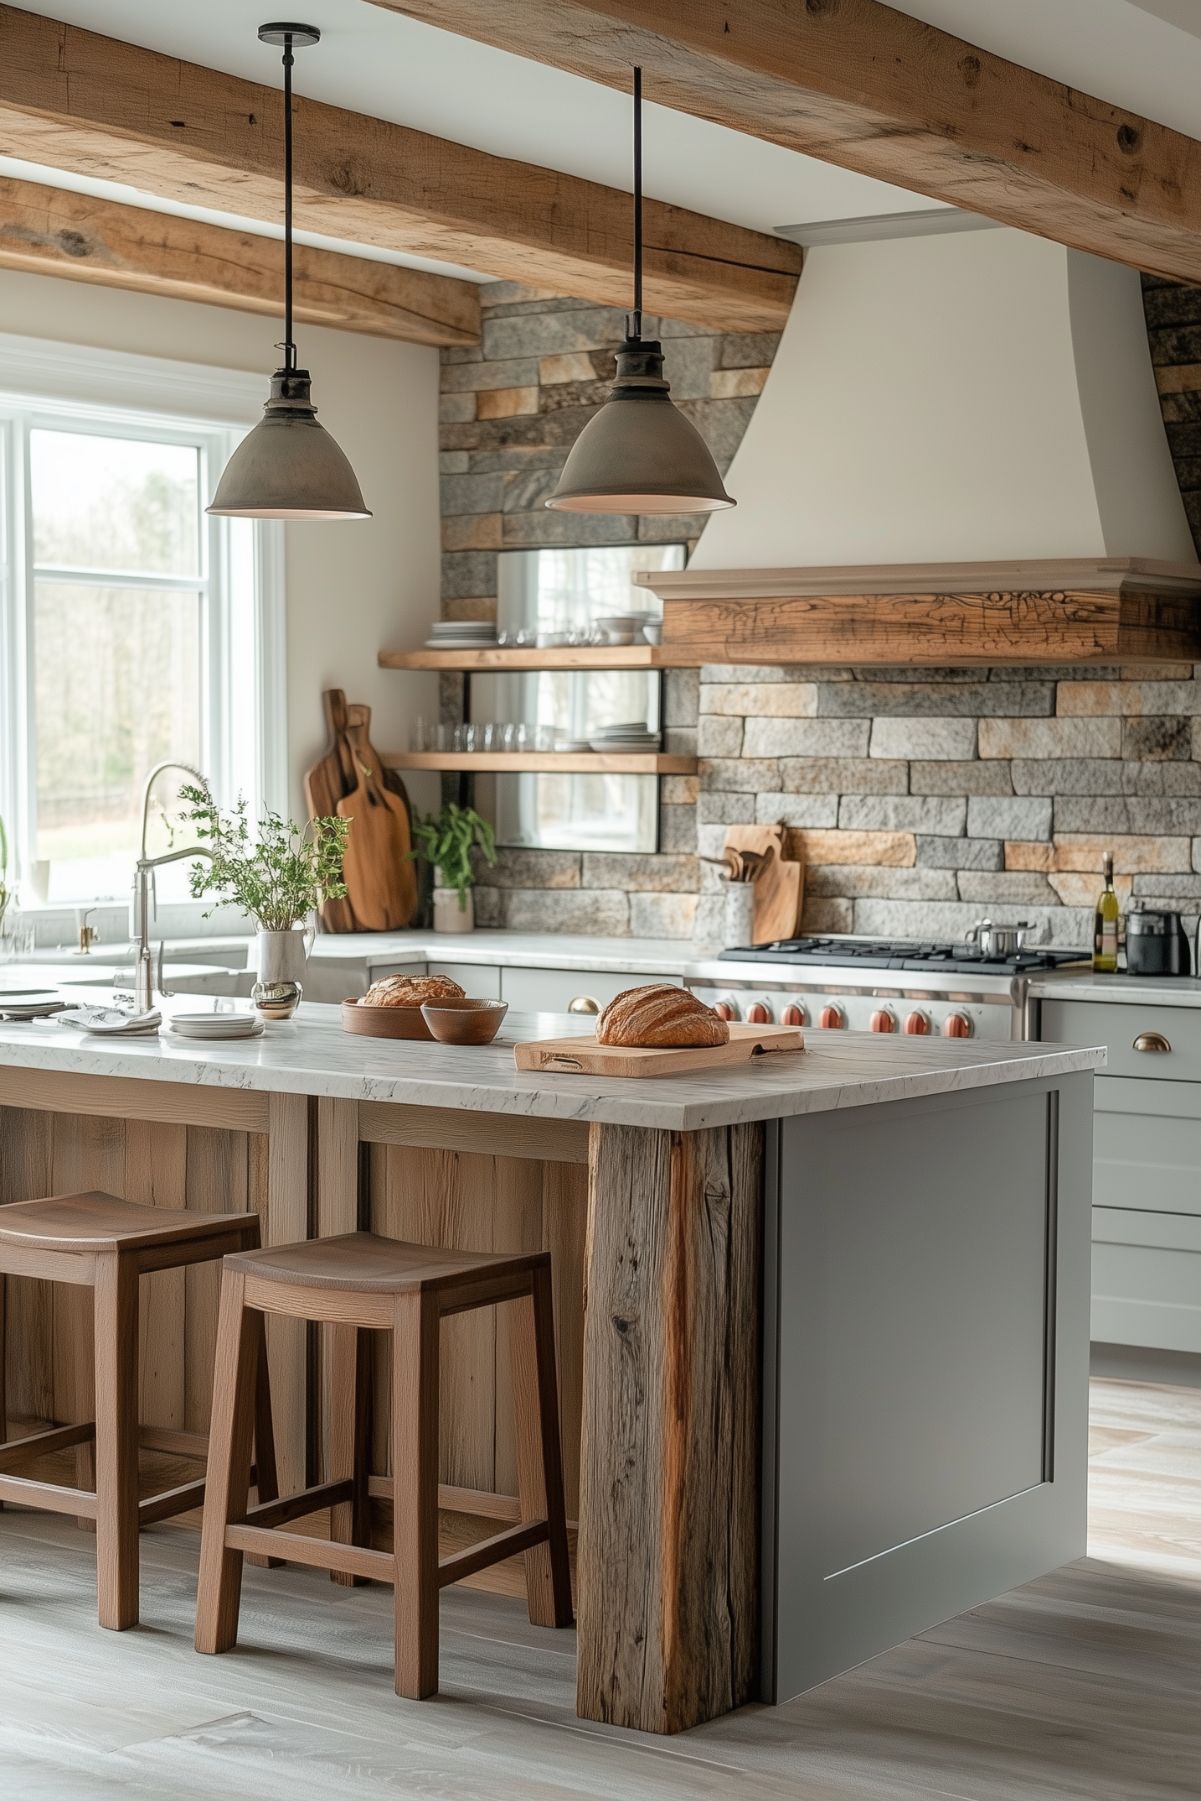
[[832, 1018], [725, 1010], [918, 1023], [794, 1015], [759, 1013], [957, 1025], [884, 1020]]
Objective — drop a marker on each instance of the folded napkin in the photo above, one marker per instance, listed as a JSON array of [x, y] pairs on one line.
[[111, 1022]]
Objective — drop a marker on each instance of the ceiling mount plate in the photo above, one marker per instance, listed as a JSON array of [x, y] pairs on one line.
[[301, 35]]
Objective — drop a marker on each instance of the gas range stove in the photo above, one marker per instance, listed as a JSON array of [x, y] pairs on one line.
[[901, 953], [915, 987]]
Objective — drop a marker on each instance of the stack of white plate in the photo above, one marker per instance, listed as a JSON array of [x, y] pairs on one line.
[[631, 736], [29, 1003], [216, 1025], [461, 634]]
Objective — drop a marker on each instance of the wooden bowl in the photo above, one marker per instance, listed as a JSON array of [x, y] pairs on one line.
[[464, 1021], [384, 1022]]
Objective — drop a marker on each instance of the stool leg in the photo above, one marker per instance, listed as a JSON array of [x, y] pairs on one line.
[[266, 1480], [415, 1493], [3, 1364], [116, 1338], [239, 1335], [539, 1455], [82, 1325], [349, 1438]]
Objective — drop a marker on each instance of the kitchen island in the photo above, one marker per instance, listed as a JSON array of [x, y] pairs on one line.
[[830, 1382]]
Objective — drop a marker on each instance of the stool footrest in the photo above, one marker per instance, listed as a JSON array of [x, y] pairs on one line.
[[48, 1497], [487, 1551], [294, 1507], [54, 1438], [178, 1444], [170, 1502], [317, 1553]]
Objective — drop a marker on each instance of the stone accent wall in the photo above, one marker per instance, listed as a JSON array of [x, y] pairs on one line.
[[920, 802]]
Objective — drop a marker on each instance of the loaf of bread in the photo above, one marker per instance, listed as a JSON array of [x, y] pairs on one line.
[[411, 991], [660, 1017]]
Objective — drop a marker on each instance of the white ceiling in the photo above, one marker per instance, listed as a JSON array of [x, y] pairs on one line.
[[1134, 52]]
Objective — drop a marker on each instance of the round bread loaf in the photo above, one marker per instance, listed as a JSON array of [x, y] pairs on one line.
[[411, 991], [660, 1017]]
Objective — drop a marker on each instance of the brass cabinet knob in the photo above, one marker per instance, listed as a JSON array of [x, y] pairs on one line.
[[1151, 1041], [583, 1003]]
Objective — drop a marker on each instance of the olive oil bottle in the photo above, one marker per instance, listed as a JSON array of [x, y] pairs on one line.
[[1105, 923]]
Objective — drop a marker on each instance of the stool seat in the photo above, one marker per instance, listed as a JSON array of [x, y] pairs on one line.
[[103, 1222], [366, 1263]]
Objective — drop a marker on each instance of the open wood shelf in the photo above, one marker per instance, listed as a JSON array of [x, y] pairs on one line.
[[542, 762], [528, 656]]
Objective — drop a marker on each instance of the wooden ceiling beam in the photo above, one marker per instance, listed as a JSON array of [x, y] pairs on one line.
[[54, 231], [860, 84], [78, 101]]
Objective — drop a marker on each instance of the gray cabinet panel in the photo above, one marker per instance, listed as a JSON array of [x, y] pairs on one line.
[[1147, 1146], [1146, 1280], [480, 980], [1117, 1024], [553, 990], [926, 1365]]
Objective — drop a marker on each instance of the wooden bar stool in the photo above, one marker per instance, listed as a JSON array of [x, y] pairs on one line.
[[100, 1242], [358, 1283]]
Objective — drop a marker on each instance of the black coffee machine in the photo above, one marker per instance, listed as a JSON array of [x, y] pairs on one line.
[[1156, 944]]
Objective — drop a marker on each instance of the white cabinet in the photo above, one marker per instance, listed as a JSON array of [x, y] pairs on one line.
[[553, 990], [480, 980]]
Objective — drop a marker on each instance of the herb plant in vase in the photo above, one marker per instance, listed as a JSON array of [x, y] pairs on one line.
[[279, 877], [447, 840]]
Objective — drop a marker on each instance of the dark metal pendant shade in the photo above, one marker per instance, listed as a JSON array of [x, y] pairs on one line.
[[639, 454], [289, 467]]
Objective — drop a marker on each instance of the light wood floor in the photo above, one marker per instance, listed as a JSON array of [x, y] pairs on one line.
[[1086, 1684]]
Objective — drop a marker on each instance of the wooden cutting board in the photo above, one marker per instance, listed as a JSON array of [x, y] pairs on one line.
[[324, 785], [584, 1056], [351, 781], [379, 873], [779, 885]]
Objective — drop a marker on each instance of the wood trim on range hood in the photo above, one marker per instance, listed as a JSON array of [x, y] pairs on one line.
[[1062, 610]]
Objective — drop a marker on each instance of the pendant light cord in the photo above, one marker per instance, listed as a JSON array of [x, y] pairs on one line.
[[634, 327], [288, 346]]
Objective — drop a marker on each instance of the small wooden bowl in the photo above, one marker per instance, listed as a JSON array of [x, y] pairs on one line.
[[384, 1022], [464, 1021]]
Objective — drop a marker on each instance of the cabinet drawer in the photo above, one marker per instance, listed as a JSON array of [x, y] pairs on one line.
[[480, 980], [553, 990], [1119, 1024], [1146, 1280], [1147, 1145]]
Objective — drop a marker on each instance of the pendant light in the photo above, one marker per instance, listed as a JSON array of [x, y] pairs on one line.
[[638, 453], [288, 466]]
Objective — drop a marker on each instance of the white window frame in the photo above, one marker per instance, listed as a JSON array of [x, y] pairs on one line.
[[65, 386]]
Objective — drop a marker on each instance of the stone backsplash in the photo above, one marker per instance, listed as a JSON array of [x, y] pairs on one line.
[[920, 801]]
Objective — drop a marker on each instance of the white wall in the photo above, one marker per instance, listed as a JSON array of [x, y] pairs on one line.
[[352, 588], [982, 395]]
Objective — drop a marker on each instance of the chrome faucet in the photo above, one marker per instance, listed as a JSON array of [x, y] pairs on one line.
[[144, 902]]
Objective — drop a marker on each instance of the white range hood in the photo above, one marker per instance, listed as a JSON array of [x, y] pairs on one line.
[[984, 395]]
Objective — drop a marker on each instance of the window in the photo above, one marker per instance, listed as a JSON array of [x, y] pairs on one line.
[[135, 630]]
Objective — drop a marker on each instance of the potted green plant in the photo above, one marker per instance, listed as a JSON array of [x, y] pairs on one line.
[[279, 876], [447, 840]]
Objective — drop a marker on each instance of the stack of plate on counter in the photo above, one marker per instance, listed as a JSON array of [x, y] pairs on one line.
[[461, 634], [216, 1025], [620, 740], [29, 1003]]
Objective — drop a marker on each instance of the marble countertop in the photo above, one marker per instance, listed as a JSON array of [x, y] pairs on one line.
[[311, 1054], [1148, 991]]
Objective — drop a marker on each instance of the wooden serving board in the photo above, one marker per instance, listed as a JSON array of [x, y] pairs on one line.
[[780, 884], [584, 1056]]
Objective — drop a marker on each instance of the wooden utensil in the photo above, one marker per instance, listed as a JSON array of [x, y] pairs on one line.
[[382, 876], [324, 785], [584, 1056], [779, 880]]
